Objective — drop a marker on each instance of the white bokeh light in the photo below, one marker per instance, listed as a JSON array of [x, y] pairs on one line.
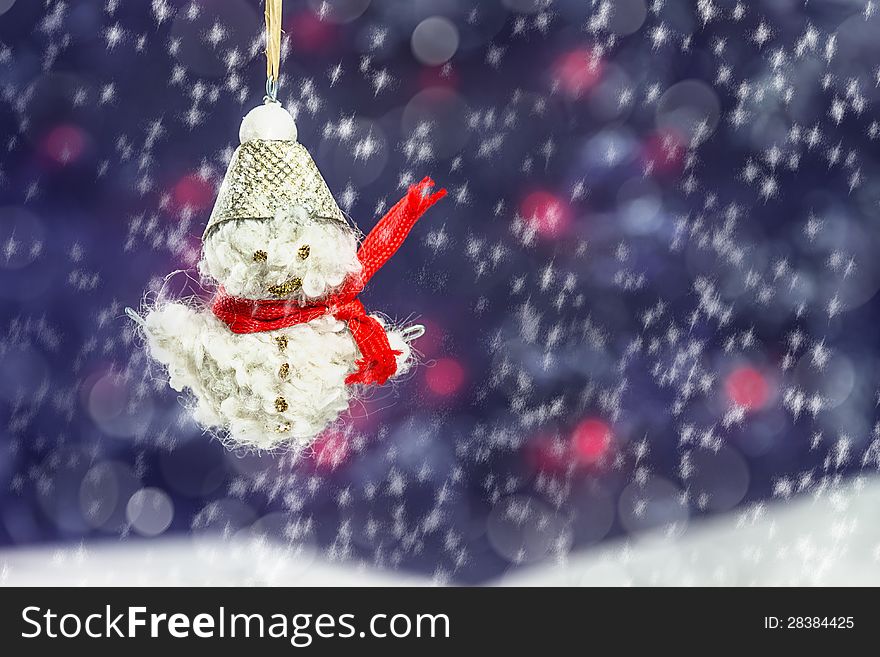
[[627, 16], [435, 40], [150, 511], [690, 109]]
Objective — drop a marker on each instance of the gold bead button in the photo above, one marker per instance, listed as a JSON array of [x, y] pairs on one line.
[[260, 256], [281, 341], [281, 404], [304, 251], [284, 370]]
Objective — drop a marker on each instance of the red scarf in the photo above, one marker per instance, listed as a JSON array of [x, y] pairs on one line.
[[377, 363]]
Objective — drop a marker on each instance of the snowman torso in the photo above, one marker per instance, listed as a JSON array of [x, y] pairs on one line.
[[284, 385], [290, 382]]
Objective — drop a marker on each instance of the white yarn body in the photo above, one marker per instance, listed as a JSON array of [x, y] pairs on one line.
[[234, 378]]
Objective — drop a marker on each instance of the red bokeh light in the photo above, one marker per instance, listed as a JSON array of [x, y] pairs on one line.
[[430, 344], [192, 251], [548, 214], [310, 34], [65, 144], [587, 447], [438, 76], [193, 192], [664, 153], [548, 453], [445, 377], [331, 449], [591, 440], [365, 418], [577, 71], [747, 387]]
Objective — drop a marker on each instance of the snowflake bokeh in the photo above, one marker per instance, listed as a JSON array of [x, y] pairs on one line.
[[650, 296]]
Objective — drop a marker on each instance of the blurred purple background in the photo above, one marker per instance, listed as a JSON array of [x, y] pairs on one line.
[[650, 295]]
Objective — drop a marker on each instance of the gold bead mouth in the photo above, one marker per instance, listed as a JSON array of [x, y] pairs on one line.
[[283, 289]]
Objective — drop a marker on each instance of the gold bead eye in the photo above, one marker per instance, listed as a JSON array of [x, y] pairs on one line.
[[304, 251], [260, 256]]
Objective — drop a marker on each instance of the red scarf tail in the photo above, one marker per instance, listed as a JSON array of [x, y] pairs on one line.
[[392, 229]]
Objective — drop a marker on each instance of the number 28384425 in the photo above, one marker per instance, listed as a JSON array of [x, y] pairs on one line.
[[808, 622]]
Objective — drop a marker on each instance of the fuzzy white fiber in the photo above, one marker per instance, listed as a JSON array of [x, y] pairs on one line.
[[235, 379]]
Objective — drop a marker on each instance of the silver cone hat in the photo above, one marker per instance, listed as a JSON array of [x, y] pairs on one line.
[[265, 176]]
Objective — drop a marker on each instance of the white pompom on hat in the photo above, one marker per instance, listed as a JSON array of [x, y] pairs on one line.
[[270, 121]]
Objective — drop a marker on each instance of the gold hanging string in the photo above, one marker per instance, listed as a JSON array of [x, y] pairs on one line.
[[273, 46]]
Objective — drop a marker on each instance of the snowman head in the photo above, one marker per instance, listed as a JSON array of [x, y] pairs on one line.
[[292, 256], [276, 231]]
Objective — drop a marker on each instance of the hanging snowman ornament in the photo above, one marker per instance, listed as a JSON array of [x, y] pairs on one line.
[[285, 344]]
